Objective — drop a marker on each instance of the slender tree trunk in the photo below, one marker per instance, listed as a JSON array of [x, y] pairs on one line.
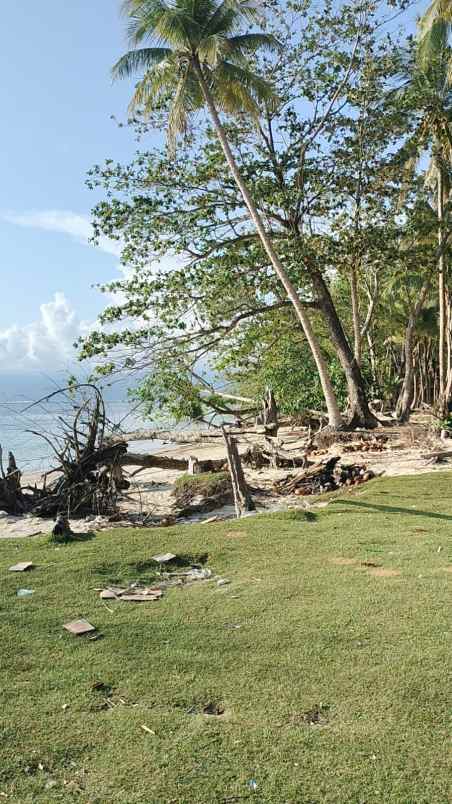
[[441, 292], [405, 401], [355, 314], [334, 414], [359, 413]]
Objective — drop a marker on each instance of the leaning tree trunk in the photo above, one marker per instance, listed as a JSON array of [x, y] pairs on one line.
[[359, 412], [334, 414]]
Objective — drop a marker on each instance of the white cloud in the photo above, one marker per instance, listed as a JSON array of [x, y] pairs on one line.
[[45, 343], [79, 227]]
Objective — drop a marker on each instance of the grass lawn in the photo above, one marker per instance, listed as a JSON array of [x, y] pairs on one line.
[[362, 653]]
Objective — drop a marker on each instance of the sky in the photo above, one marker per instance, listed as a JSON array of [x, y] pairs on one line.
[[57, 102]]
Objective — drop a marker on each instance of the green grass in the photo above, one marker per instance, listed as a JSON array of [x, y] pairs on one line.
[[370, 653], [208, 484]]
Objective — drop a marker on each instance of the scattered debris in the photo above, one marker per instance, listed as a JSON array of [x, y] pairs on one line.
[[164, 558], [79, 627], [324, 476], [24, 592], [132, 593], [23, 566]]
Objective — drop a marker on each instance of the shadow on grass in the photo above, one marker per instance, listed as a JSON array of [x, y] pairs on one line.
[[146, 571], [392, 509], [73, 537]]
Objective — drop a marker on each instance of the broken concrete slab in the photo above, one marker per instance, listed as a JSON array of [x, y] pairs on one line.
[[79, 627], [22, 566], [163, 558]]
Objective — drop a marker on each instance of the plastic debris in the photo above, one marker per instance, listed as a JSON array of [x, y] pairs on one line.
[[148, 730], [252, 784], [23, 566], [24, 592], [223, 581], [79, 627]]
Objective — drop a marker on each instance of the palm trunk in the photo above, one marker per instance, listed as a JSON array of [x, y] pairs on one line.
[[334, 414], [441, 292]]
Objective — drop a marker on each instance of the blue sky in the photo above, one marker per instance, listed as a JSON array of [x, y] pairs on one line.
[[57, 101]]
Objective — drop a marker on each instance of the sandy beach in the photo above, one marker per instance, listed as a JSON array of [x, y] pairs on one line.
[[150, 498]]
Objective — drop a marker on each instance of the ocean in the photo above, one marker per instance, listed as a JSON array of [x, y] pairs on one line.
[[20, 429], [22, 420]]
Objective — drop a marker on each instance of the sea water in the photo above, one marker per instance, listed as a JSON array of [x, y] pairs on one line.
[[23, 425]]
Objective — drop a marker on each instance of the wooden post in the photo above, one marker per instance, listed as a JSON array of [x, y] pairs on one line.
[[242, 498]]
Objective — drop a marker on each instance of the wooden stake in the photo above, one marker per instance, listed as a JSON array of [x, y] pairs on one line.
[[242, 498]]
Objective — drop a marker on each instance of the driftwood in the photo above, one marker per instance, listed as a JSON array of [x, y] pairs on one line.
[[321, 477], [318, 477], [269, 415], [242, 497], [184, 436], [437, 456], [166, 462], [12, 499], [271, 455]]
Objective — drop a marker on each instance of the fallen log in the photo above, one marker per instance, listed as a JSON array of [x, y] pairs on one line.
[[183, 437], [167, 462]]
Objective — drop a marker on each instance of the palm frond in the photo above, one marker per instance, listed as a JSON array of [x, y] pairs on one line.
[[238, 89], [134, 60], [247, 44]]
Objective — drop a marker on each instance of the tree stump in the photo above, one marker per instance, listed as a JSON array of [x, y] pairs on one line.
[[243, 500]]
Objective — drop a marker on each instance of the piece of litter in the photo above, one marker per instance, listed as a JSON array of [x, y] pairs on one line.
[[439, 549], [40, 766], [79, 627], [163, 558], [144, 597], [24, 592], [148, 730], [252, 784], [23, 566], [222, 581], [64, 707], [232, 625]]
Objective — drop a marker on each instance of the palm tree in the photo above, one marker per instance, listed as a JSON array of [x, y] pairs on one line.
[[200, 59], [430, 88], [434, 28]]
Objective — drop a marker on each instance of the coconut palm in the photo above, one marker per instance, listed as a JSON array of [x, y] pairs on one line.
[[434, 29], [198, 58], [430, 91]]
